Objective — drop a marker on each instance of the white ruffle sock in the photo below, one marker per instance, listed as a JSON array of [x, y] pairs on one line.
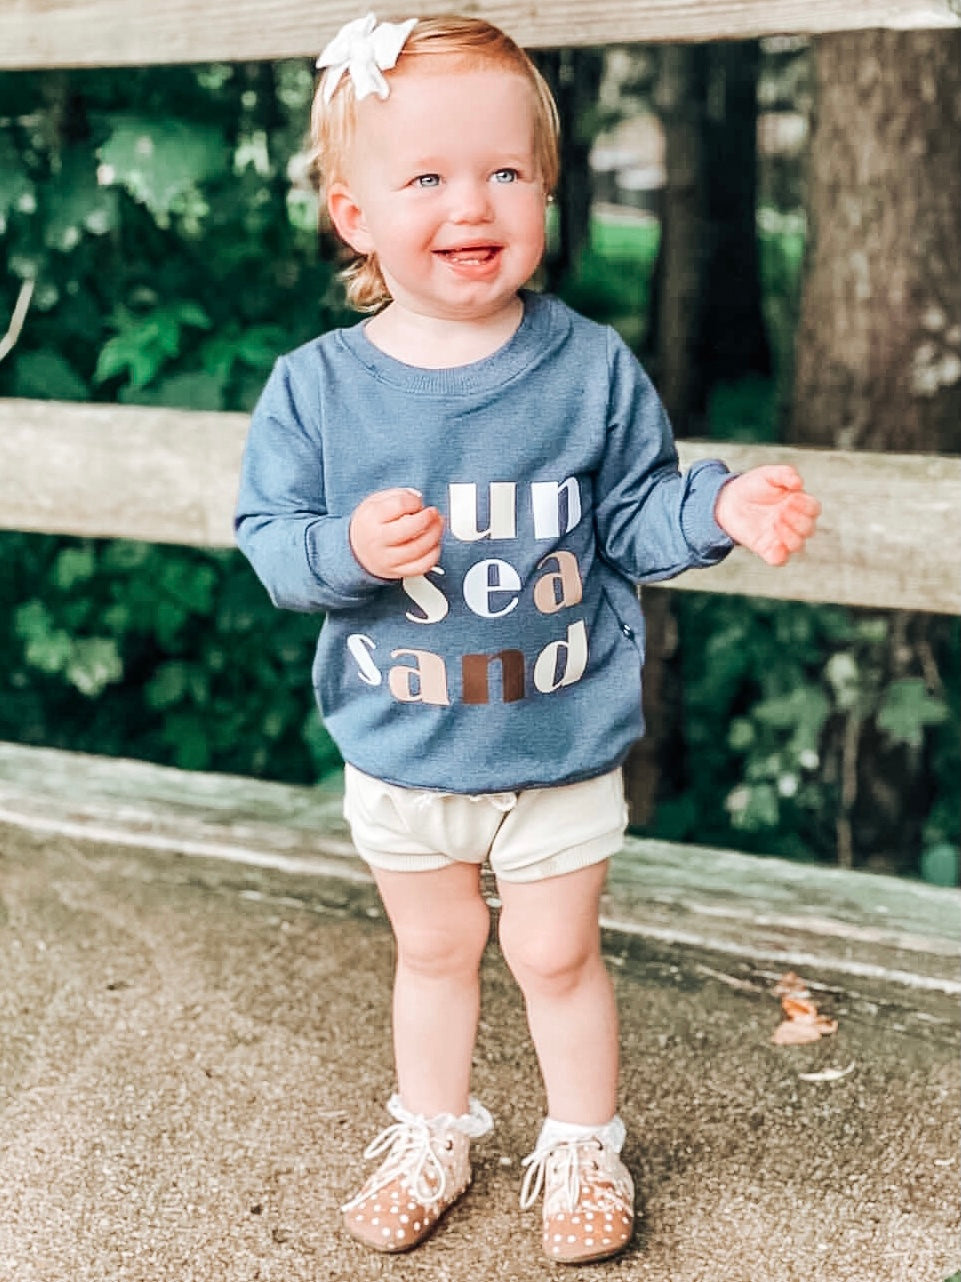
[[612, 1134]]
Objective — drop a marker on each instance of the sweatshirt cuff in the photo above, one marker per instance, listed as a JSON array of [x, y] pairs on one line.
[[704, 536], [332, 561]]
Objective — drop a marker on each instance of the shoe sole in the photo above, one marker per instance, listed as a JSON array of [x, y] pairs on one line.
[[606, 1254]]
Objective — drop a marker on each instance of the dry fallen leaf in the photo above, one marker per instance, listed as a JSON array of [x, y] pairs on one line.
[[797, 1032], [791, 985], [798, 1008], [802, 1023]]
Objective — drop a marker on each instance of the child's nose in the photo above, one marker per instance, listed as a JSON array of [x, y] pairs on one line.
[[470, 203]]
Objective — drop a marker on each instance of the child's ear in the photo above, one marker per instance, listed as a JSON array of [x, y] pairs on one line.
[[348, 218]]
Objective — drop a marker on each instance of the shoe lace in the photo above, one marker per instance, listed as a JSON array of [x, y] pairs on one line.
[[411, 1156], [569, 1156], [412, 1148]]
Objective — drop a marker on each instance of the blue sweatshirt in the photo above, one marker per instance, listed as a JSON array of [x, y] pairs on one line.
[[517, 661]]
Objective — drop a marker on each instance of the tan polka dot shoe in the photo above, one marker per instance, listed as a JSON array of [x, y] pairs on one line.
[[588, 1200], [424, 1171]]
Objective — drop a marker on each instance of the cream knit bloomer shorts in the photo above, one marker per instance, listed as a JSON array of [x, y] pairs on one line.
[[527, 835]]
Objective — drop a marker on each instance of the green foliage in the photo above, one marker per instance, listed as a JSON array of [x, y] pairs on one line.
[[167, 654], [145, 343], [745, 410], [905, 709], [173, 260], [165, 164], [769, 690], [611, 282], [172, 265]]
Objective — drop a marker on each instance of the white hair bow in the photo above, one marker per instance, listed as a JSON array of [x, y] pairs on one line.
[[364, 50]]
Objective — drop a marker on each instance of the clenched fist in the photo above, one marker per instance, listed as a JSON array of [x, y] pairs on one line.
[[394, 536]]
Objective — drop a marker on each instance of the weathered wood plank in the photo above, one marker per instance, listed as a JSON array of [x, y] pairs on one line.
[[91, 33], [889, 534], [165, 476], [767, 910]]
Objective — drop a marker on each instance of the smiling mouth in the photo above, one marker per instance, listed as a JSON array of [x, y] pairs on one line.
[[470, 255]]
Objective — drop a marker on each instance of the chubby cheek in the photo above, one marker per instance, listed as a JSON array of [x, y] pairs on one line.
[[535, 240], [405, 233]]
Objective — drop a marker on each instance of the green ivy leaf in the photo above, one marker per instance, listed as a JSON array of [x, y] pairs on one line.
[[741, 734], [754, 807], [166, 687], [256, 347], [94, 664], [186, 732], [191, 584], [74, 565], [161, 161], [75, 203], [907, 708], [32, 621], [145, 343]]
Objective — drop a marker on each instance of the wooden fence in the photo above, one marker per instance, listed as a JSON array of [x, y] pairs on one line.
[[889, 534], [102, 33]]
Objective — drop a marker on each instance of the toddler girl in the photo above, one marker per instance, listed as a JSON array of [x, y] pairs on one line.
[[470, 484]]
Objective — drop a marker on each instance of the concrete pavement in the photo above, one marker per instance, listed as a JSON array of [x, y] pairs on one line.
[[194, 1053]]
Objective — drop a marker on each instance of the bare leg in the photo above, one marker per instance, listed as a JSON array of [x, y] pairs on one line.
[[550, 937], [441, 925]]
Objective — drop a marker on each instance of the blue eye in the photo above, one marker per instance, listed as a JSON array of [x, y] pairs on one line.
[[505, 175], [427, 180]]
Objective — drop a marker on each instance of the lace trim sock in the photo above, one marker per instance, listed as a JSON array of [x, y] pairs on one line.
[[475, 1123], [611, 1134]]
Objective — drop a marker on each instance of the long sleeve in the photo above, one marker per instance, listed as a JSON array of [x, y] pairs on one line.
[[299, 550], [652, 522]]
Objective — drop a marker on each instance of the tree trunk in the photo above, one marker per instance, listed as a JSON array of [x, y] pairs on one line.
[[574, 76], [676, 292], [879, 339], [878, 362], [733, 339], [679, 284], [707, 322]]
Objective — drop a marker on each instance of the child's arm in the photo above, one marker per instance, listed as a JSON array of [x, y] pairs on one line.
[[307, 557], [393, 535], [300, 550], [653, 522], [768, 511]]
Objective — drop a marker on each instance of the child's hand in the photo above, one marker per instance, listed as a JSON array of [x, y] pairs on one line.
[[394, 536], [768, 511]]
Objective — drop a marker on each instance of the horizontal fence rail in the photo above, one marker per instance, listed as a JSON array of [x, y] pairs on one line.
[[889, 534], [103, 33]]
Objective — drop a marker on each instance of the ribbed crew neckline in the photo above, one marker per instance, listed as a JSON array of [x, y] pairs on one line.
[[529, 339]]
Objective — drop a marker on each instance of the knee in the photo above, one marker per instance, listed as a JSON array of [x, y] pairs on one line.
[[445, 948], [548, 960]]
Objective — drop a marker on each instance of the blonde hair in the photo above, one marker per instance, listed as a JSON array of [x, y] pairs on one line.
[[475, 43]]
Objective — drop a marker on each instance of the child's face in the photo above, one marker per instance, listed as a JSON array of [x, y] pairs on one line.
[[442, 182]]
